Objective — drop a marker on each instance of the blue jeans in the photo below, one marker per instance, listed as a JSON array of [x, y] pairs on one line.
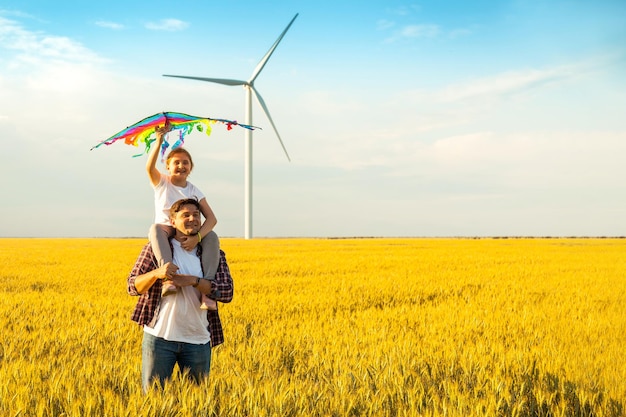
[[159, 357]]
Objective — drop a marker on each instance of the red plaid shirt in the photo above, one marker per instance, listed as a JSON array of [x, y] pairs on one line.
[[147, 308]]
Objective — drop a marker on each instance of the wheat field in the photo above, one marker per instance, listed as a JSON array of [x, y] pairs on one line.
[[330, 327]]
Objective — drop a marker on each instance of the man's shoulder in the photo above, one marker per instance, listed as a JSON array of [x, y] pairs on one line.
[[146, 251]]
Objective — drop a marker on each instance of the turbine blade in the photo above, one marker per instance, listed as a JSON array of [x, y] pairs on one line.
[[225, 81], [267, 113], [269, 53]]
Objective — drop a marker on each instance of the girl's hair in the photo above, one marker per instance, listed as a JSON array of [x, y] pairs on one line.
[[176, 151]]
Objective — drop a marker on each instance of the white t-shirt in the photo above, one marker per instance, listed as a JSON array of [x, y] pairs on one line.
[[166, 194], [180, 317]]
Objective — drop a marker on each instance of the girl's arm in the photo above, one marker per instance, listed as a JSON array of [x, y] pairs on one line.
[[209, 217], [153, 172]]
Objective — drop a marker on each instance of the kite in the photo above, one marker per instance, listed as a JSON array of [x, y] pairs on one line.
[[143, 132]]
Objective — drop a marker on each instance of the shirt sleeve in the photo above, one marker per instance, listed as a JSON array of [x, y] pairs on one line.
[[196, 193], [144, 263], [224, 281]]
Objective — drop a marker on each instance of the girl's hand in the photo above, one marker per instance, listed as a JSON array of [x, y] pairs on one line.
[[189, 242], [162, 130]]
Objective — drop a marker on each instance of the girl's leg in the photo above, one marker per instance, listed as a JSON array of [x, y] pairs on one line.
[[210, 261], [210, 255], [159, 236]]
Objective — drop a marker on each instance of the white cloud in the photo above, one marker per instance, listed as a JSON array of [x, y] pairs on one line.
[[582, 162], [109, 25], [420, 31], [409, 32], [170, 25], [459, 33], [517, 82], [384, 24], [405, 10], [34, 46], [16, 13], [508, 83], [467, 130]]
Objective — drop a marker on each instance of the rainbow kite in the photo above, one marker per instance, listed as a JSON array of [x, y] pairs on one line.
[[144, 131]]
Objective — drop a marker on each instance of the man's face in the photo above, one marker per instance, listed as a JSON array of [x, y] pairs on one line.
[[187, 220]]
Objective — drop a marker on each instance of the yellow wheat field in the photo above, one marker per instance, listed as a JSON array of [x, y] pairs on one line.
[[330, 327]]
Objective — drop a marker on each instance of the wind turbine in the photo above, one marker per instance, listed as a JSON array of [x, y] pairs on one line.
[[249, 89]]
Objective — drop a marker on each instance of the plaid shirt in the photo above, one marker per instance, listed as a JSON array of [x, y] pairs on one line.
[[147, 308]]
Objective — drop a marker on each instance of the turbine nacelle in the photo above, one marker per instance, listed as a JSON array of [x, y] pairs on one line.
[[256, 93]]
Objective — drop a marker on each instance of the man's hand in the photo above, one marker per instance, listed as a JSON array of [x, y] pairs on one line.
[[167, 271], [183, 280]]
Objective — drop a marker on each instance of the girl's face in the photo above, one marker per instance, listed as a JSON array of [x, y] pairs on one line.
[[179, 166]]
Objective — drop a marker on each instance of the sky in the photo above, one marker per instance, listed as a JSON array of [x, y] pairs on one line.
[[401, 119]]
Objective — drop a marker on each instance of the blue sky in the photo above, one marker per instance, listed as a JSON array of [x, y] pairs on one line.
[[486, 118]]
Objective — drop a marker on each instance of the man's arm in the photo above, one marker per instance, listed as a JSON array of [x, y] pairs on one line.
[[143, 282], [223, 282], [144, 274], [139, 283]]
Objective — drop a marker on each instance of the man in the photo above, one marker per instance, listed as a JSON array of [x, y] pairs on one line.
[[176, 330]]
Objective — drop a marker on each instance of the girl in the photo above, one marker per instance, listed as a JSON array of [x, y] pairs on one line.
[[167, 190]]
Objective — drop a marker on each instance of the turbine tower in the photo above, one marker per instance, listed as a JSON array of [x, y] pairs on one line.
[[249, 90]]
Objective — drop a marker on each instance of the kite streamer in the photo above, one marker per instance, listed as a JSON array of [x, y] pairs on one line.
[[143, 132]]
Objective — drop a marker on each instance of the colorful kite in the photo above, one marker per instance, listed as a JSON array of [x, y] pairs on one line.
[[144, 131]]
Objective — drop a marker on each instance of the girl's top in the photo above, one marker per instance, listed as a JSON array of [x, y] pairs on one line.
[[166, 194]]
